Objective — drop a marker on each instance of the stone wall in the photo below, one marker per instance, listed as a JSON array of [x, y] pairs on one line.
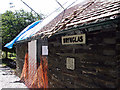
[[96, 62]]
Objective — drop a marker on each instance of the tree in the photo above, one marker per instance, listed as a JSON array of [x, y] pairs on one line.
[[13, 23]]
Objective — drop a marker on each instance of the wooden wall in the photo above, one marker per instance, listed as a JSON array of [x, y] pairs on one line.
[[21, 50], [96, 63]]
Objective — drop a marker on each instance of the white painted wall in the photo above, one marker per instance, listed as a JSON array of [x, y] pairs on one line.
[[32, 59]]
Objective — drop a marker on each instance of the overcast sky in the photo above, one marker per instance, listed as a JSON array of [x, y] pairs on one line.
[[40, 6]]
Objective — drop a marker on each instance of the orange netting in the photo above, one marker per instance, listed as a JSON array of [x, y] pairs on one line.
[[32, 76]]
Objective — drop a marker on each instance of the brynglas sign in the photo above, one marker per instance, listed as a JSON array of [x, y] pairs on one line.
[[74, 39]]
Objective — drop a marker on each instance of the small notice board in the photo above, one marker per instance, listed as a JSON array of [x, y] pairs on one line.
[[44, 50]]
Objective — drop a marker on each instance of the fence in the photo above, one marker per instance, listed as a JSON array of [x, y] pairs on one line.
[[35, 78]]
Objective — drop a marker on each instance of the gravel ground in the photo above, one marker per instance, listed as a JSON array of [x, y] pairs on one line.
[[8, 79]]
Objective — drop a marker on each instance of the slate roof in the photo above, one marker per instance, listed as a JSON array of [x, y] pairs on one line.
[[87, 12]]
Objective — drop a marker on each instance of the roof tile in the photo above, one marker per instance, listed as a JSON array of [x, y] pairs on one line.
[[92, 13]]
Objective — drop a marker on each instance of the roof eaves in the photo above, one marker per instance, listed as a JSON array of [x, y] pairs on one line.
[[79, 27], [84, 26]]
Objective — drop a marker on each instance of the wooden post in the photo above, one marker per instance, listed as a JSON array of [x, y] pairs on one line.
[[41, 44], [42, 58]]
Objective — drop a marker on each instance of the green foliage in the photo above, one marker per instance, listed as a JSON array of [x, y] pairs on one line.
[[14, 22]]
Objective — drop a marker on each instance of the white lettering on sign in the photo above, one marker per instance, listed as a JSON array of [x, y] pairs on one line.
[[74, 39]]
